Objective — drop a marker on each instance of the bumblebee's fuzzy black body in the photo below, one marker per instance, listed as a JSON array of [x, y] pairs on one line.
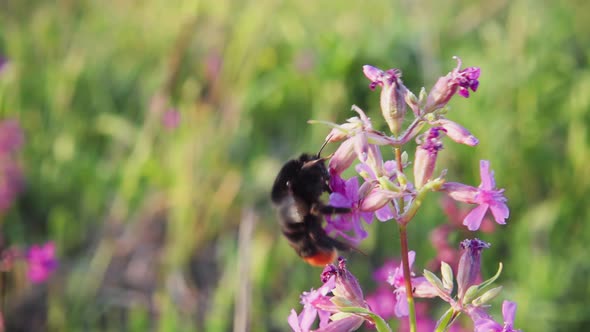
[[296, 193]]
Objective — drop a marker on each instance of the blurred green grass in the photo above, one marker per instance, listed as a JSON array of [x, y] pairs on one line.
[[90, 80]]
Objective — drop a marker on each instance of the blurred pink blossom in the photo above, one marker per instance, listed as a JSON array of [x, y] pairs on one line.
[[171, 119], [41, 262]]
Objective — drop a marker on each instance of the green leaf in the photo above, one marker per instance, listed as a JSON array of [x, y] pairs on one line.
[[447, 275], [476, 291], [492, 279], [342, 302], [443, 322], [380, 324], [487, 296], [434, 280], [470, 294]]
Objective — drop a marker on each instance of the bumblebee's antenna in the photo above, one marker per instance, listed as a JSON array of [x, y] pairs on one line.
[[324, 145]]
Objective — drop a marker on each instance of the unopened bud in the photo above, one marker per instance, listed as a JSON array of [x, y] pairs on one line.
[[469, 264], [426, 155], [487, 296], [457, 132]]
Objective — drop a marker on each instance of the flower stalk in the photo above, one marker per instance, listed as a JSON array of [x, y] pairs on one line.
[[403, 234], [385, 191]]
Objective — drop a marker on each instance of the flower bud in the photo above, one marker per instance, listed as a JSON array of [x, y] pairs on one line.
[[413, 102], [426, 154], [376, 199], [469, 264], [487, 296], [346, 285], [456, 81], [440, 94], [343, 157], [393, 103], [394, 95], [457, 132], [336, 135], [373, 74]]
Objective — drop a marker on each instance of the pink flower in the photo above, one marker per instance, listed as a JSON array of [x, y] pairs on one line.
[[486, 196], [382, 302], [303, 321], [387, 269], [41, 262], [487, 324], [370, 173], [357, 134], [439, 237], [457, 81], [422, 288], [11, 136], [348, 194], [171, 119], [346, 291]]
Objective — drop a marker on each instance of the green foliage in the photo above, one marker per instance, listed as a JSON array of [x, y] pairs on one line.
[[90, 80]]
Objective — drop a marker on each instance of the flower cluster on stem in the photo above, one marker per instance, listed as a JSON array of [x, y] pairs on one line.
[[386, 190]]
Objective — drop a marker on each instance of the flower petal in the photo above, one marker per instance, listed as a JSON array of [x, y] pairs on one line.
[[375, 200], [293, 321], [339, 200], [508, 312], [401, 304], [361, 146], [500, 212], [307, 317], [343, 157], [487, 325], [385, 213], [487, 176], [460, 192], [350, 323], [352, 189], [473, 219]]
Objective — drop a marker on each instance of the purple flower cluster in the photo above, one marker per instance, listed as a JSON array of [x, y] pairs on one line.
[[384, 190], [340, 291], [391, 302]]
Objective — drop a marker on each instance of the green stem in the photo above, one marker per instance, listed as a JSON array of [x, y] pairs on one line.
[[403, 234], [400, 168]]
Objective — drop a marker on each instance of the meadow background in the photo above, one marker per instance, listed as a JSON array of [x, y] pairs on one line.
[[171, 229]]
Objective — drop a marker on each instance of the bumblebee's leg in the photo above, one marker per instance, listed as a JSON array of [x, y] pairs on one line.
[[328, 209]]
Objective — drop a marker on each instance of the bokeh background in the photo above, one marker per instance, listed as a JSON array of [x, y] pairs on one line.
[[162, 220]]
